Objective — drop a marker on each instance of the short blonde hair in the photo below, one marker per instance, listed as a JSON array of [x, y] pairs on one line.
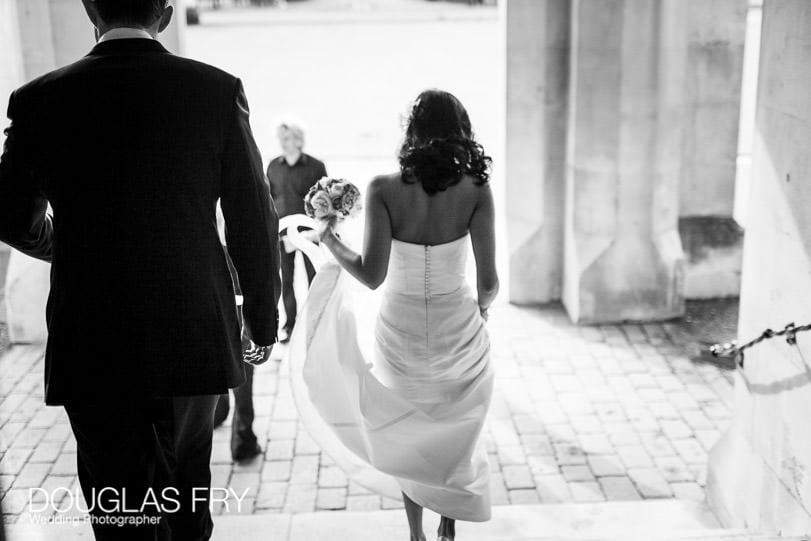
[[291, 127]]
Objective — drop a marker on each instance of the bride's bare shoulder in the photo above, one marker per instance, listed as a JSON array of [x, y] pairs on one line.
[[383, 184]]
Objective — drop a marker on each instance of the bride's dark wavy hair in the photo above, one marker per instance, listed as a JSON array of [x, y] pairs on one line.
[[439, 147]]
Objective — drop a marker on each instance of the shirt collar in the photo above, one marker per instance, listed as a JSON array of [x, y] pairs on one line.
[[302, 159], [125, 33]]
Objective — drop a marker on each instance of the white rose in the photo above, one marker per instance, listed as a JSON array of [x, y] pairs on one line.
[[322, 205]]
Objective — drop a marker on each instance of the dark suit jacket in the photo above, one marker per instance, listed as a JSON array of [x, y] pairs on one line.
[[132, 147]]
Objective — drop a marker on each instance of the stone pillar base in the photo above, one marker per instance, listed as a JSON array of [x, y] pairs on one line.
[[631, 279], [714, 249]]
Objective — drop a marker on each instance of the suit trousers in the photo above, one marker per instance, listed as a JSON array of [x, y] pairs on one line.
[[151, 454]]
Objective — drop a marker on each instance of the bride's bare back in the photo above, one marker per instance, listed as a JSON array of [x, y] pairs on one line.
[[419, 218]]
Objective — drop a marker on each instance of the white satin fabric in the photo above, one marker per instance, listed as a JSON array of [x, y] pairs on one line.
[[396, 387]]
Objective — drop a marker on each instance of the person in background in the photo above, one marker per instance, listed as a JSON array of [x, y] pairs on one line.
[[291, 176]]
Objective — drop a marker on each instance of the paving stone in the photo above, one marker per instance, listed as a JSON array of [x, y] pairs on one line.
[[587, 424], [31, 475], [657, 444], [517, 477], [619, 489], [271, 495], [524, 496], [305, 469], [510, 455], [691, 451], [542, 464], [697, 420], [577, 473], [664, 410], [595, 444], [46, 452], [676, 429], [366, 502], [708, 438], [15, 501], [282, 430], [606, 465], [277, 470], [331, 498], [560, 434], [14, 460], [300, 498], [587, 491], [634, 456], [58, 433], [279, 450], [688, 491], [28, 438], [332, 477], [568, 454], [553, 489], [528, 424], [650, 483], [536, 444], [682, 400], [498, 490], [673, 469]]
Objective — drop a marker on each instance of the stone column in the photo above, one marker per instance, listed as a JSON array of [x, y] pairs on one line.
[[12, 73], [623, 255], [35, 28], [760, 472], [711, 237], [71, 32], [537, 34], [173, 38]]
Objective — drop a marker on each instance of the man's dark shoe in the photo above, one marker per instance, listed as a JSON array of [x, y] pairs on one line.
[[246, 451]]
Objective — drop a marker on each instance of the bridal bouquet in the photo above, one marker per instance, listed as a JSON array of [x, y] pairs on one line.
[[332, 198]]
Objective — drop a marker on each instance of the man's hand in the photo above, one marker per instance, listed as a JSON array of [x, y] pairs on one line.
[[256, 355]]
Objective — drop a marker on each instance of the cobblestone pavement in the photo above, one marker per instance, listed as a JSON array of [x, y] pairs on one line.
[[580, 414]]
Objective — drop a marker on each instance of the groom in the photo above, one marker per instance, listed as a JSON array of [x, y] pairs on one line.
[[132, 147]]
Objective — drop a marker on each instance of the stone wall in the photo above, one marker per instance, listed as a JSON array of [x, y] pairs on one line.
[[760, 472]]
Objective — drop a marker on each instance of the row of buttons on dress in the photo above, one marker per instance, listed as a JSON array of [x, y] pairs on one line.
[[427, 273]]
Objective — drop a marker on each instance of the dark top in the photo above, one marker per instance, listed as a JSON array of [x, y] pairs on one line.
[[132, 147], [290, 183]]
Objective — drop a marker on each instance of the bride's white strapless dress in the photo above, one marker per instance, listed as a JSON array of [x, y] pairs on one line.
[[396, 387]]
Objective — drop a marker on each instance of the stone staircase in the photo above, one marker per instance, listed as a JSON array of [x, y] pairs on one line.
[[651, 520]]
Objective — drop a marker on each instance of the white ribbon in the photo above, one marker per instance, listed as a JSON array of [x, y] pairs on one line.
[[300, 240]]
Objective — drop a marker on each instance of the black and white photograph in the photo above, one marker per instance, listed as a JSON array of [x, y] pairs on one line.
[[371, 270]]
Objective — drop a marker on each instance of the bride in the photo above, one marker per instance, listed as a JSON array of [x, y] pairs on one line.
[[412, 414]]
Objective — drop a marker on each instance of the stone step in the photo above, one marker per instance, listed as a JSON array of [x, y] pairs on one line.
[[658, 520]]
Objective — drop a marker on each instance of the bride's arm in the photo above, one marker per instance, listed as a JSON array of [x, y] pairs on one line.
[[371, 267], [483, 236]]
